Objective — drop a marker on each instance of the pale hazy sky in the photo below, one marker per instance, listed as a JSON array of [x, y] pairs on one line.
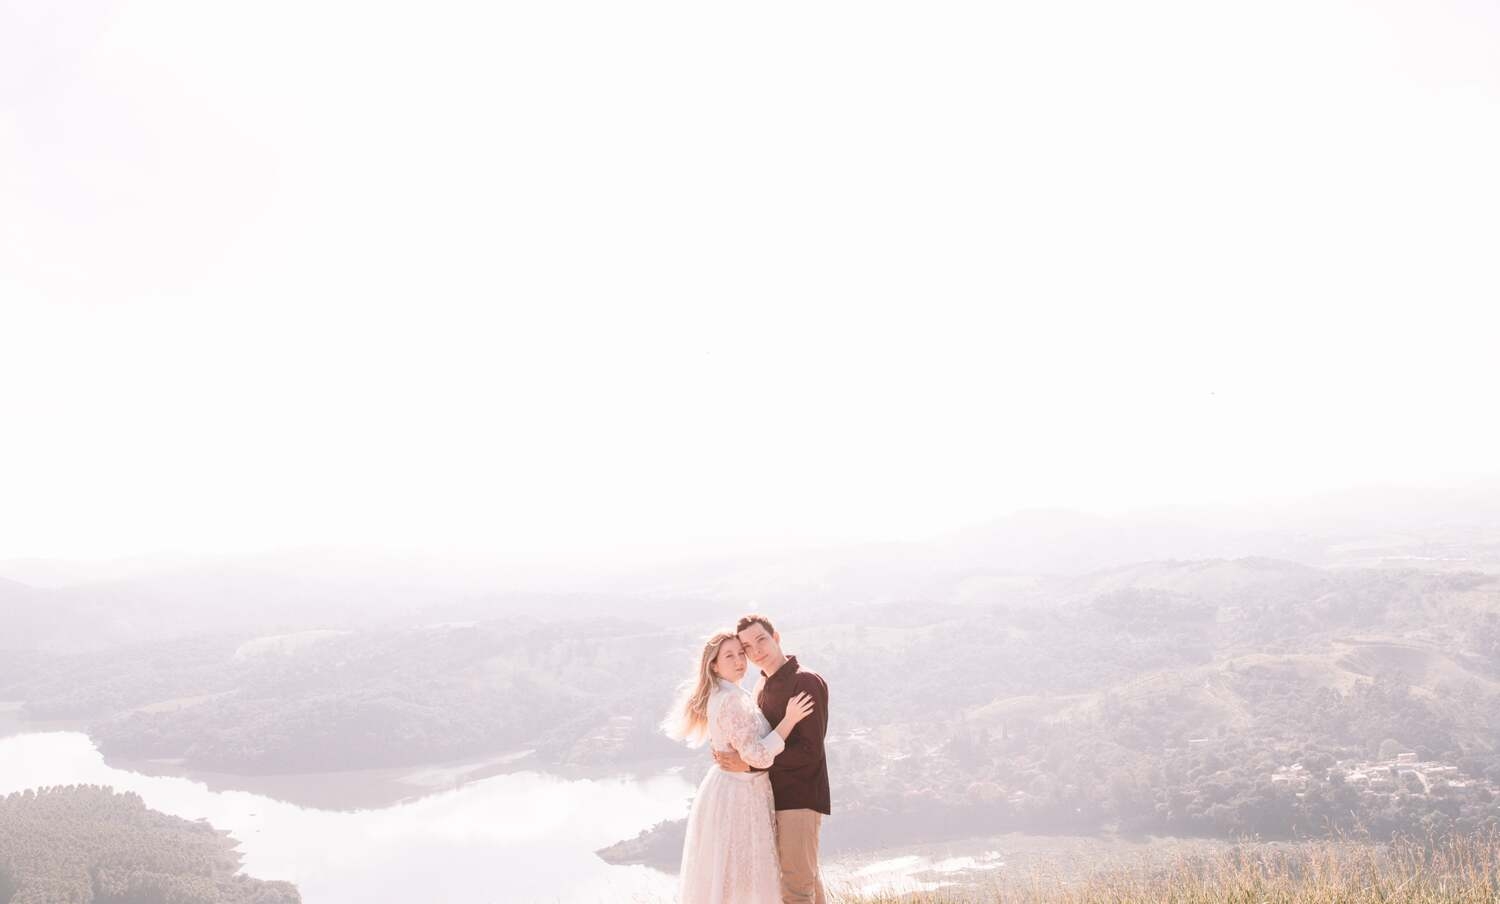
[[562, 278]]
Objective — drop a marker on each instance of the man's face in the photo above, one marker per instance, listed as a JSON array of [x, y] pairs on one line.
[[761, 646]]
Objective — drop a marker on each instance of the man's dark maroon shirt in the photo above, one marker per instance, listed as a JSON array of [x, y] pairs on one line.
[[799, 774]]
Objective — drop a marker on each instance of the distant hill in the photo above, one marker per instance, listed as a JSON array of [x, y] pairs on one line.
[[1155, 697], [203, 599], [387, 696], [33, 619], [70, 606]]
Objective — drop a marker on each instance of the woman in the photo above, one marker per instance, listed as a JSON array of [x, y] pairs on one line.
[[729, 856]]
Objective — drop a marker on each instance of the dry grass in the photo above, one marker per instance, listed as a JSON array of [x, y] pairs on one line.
[[1464, 870]]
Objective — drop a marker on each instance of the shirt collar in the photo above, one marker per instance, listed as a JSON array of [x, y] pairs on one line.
[[787, 668]]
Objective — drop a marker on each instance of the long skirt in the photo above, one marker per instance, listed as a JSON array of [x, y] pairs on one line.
[[729, 855]]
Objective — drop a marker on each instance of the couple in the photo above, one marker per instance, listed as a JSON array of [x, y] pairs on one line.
[[752, 835]]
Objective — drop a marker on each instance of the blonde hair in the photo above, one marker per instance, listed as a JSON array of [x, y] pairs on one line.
[[687, 720]]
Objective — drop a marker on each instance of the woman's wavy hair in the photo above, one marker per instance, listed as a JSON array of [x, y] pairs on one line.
[[687, 720]]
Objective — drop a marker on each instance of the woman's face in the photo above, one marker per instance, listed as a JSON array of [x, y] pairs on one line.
[[730, 663]]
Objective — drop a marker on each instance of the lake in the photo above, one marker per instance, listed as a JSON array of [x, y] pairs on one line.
[[438, 833], [516, 837]]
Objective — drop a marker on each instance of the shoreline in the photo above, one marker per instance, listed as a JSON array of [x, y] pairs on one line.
[[346, 790]]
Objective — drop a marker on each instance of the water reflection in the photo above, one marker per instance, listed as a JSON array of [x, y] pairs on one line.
[[508, 838]]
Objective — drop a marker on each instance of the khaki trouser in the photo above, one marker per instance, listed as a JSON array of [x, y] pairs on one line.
[[797, 843]]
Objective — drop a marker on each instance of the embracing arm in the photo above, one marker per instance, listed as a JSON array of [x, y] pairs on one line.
[[738, 724], [797, 709]]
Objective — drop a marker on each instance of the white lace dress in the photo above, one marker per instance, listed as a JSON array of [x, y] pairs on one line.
[[729, 856]]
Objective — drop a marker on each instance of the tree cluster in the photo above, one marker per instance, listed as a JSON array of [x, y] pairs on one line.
[[87, 844]]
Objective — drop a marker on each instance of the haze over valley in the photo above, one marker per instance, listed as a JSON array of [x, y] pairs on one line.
[[1039, 675]]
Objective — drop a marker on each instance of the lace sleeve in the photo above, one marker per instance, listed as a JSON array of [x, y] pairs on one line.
[[739, 726]]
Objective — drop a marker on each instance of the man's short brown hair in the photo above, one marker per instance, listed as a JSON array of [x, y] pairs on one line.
[[752, 619]]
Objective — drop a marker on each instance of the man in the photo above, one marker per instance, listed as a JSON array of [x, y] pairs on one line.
[[799, 776]]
